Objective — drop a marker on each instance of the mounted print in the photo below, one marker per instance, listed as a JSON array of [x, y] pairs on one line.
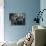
[[17, 18]]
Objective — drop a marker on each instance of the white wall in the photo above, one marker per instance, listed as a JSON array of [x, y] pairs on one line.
[[1, 21], [43, 6]]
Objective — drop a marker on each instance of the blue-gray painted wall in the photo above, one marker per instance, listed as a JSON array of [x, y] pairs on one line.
[[30, 7]]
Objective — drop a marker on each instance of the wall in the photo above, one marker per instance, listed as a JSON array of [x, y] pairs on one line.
[[14, 33], [43, 6], [1, 21]]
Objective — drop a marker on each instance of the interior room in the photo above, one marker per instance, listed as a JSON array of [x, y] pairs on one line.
[[22, 23]]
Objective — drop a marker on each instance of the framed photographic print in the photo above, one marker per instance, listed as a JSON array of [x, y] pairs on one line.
[[17, 18]]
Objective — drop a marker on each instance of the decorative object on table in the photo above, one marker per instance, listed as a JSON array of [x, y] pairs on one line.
[[4, 43], [17, 18], [39, 16], [28, 40]]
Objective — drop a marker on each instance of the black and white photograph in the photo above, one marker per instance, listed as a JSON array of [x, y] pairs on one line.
[[17, 18]]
